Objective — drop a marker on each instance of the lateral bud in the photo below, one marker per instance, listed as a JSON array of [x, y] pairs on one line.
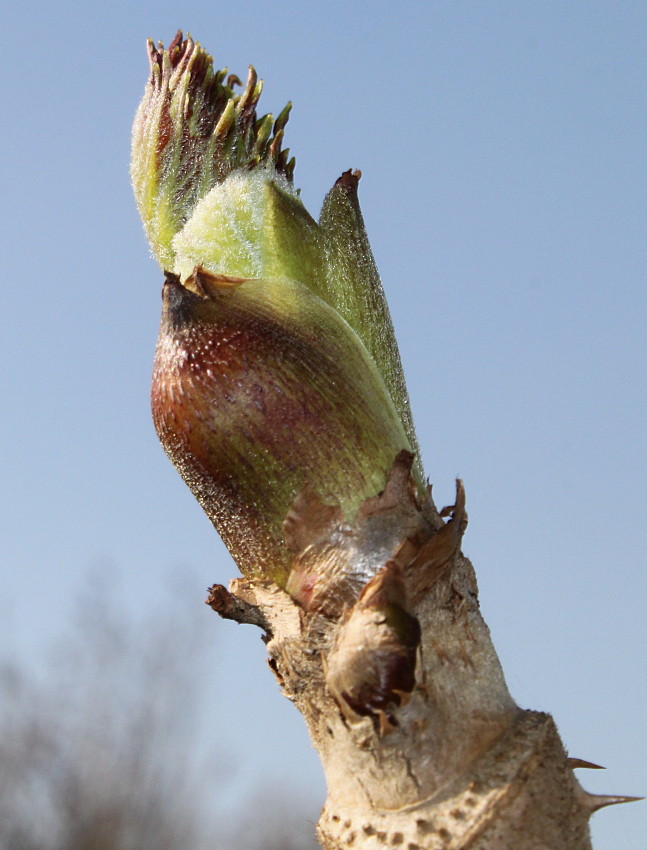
[[370, 669]]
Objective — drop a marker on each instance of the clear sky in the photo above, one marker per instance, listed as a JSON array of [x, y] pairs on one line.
[[502, 147]]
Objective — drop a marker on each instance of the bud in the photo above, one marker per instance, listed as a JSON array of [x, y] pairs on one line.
[[277, 365], [370, 669]]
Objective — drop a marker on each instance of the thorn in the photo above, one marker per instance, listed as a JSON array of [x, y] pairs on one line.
[[594, 802], [575, 763]]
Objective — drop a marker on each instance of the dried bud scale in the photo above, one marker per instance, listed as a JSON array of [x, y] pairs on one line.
[[334, 558]]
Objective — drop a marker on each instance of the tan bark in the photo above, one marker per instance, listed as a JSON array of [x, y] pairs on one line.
[[457, 765]]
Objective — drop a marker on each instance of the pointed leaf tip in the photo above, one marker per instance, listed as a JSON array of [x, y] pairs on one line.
[[349, 180]]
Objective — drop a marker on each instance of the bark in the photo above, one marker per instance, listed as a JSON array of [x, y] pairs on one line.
[[453, 763]]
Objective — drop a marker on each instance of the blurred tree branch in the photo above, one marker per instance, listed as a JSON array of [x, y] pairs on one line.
[[103, 751]]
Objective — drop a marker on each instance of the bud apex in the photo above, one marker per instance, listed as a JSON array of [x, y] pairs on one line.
[[191, 130]]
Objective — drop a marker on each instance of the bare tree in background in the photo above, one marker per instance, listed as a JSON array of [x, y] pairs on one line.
[[103, 751]]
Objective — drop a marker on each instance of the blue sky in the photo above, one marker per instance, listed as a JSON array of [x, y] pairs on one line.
[[503, 158]]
